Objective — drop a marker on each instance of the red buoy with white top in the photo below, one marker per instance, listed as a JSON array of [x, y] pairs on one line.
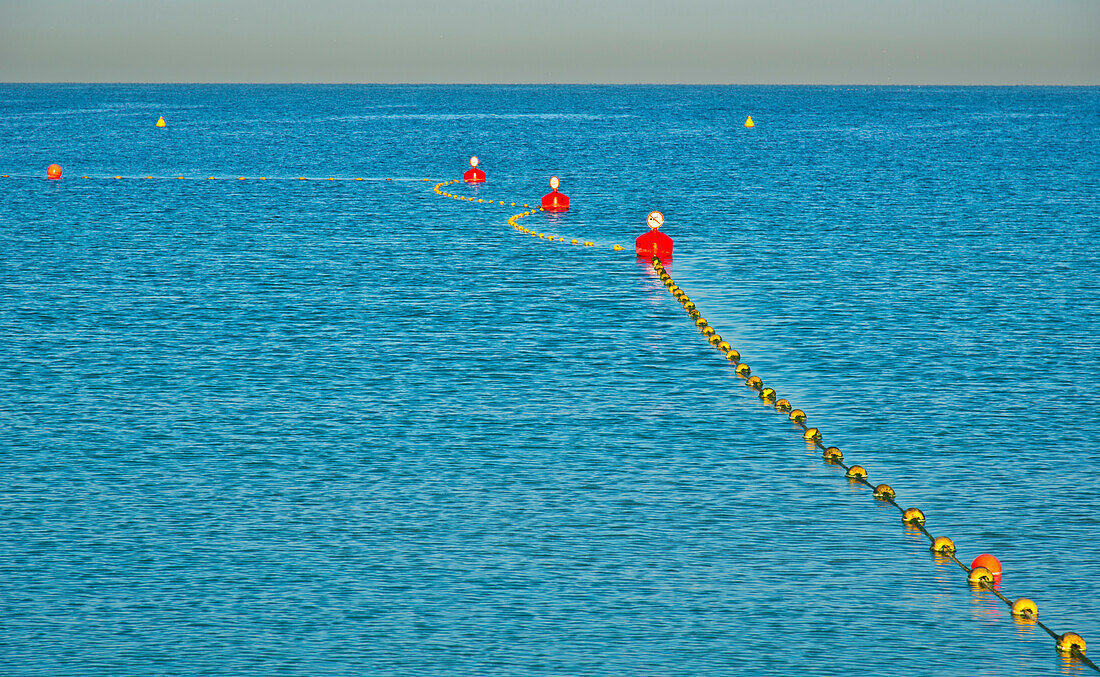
[[555, 201], [473, 174], [654, 242]]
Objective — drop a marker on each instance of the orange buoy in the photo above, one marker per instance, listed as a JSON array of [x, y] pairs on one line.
[[53, 172], [989, 562], [654, 243], [555, 201], [473, 174]]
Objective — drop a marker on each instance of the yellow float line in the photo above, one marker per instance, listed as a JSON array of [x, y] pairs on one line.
[[228, 178], [513, 221], [1024, 610]]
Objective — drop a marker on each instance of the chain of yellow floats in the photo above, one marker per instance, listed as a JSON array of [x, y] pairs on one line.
[[1024, 610], [515, 218], [237, 178]]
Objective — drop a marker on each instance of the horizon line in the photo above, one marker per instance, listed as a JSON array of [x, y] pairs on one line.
[[545, 84]]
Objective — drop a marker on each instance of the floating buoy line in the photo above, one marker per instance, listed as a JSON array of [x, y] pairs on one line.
[[984, 572], [514, 220], [54, 172]]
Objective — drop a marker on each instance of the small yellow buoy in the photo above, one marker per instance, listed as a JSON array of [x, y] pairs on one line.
[[161, 122], [724, 346], [980, 575], [832, 454], [798, 416], [943, 545], [915, 516], [1025, 607], [812, 434], [700, 323], [715, 340], [754, 382], [708, 330], [749, 122], [884, 492], [743, 370], [767, 394], [856, 471], [1070, 642], [732, 355], [783, 405]]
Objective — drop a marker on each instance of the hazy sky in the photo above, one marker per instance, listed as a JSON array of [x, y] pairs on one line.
[[587, 41]]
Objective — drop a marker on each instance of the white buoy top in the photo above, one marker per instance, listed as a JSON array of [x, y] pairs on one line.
[[655, 219], [554, 183], [473, 161]]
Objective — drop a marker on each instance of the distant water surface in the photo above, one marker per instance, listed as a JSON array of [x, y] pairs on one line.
[[350, 427]]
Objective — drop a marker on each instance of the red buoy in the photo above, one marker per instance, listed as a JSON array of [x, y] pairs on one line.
[[555, 201], [53, 172], [654, 242], [989, 562], [473, 174]]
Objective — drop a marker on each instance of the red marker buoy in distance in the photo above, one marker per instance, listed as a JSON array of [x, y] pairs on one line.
[[473, 174], [53, 172], [654, 242], [555, 201]]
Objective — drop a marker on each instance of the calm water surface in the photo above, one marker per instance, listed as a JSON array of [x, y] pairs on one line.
[[351, 427]]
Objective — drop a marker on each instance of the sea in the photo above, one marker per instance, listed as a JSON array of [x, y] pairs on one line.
[[296, 413]]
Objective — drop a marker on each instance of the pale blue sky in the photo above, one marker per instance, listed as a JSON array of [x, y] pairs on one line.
[[587, 41]]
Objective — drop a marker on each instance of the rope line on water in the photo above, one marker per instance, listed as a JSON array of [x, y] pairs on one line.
[[1069, 644], [1024, 611], [118, 177], [513, 221]]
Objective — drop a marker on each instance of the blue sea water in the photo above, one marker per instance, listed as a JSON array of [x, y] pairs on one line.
[[352, 427]]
